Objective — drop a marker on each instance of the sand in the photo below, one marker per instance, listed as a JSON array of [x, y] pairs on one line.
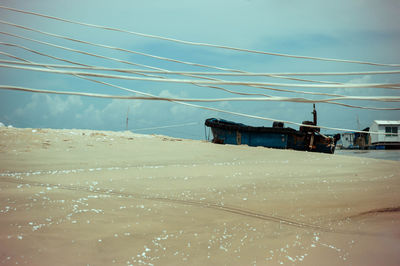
[[78, 197]]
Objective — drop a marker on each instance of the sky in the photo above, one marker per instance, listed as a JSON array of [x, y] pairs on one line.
[[365, 30]]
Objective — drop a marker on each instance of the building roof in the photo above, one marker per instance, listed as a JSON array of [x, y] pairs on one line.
[[387, 122]]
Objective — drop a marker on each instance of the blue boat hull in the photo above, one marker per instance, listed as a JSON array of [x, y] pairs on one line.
[[226, 132]]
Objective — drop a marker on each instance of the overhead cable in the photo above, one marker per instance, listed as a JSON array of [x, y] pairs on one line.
[[111, 47], [198, 106], [159, 98], [212, 82], [53, 57], [169, 72], [144, 54], [177, 102], [6, 87], [130, 63], [75, 50], [197, 43]]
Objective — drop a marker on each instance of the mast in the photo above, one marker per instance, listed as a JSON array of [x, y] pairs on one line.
[[314, 112]]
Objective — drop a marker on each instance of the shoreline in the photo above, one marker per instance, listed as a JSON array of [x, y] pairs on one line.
[[392, 155]]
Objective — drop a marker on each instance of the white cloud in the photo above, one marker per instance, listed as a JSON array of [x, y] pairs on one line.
[[59, 106], [361, 80], [358, 91], [54, 105]]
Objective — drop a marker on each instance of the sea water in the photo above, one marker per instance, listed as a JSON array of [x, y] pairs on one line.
[[393, 155]]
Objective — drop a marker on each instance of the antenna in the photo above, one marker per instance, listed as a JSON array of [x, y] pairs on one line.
[[127, 118]]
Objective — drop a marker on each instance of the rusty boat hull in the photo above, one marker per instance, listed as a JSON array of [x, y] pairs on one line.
[[279, 137]]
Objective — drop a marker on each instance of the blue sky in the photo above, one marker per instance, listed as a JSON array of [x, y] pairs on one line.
[[366, 30]]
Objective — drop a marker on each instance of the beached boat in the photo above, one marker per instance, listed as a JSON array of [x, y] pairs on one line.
[[280, 137]]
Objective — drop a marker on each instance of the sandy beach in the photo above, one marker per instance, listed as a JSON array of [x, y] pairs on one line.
[[81, 197]]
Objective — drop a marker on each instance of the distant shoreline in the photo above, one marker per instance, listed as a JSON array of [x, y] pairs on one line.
[[391, 155]]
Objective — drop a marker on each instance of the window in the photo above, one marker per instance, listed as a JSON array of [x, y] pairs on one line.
[[391, 131]]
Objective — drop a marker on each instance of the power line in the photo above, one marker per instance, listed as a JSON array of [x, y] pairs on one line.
[[146, 94], [212, 82], [157, 57], [197, 43], [152, 97], [159, 98], [168, 72], [344, 97], [127, 62], [77, 51], [148, 55], [258, 86]]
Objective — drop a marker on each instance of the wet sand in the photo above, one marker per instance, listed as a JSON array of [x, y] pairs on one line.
[[78, 197]]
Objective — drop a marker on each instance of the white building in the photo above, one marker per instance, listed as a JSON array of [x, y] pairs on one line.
[[347, 140], [391, 139]]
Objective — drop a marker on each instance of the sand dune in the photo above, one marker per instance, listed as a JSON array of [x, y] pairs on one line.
[[77, 197]]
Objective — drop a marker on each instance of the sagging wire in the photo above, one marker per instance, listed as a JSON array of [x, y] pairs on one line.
[[130, 63], [153, 97], [197, 43], [213, 82]]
